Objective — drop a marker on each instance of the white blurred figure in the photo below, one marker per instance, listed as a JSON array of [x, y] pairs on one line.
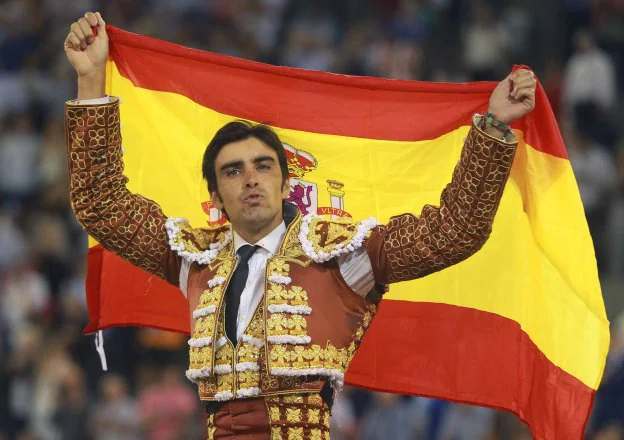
[[485, 44], [343, 421], [589, 76]]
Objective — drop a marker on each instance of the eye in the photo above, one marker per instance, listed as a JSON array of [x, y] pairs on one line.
[[233, 172], [263, 167]]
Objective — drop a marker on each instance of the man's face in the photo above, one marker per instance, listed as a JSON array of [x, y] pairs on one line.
[[249, 181]]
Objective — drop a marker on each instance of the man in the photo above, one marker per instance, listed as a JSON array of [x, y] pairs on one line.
[[278, 303]]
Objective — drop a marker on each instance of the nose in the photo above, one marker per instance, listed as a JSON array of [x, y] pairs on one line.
[[251, 180]]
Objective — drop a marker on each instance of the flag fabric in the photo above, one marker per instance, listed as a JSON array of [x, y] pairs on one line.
[[519, 326]]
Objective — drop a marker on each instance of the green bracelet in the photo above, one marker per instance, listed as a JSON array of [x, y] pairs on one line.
[[490, 119]]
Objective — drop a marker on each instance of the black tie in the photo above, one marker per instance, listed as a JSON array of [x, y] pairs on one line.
[[235, 288]]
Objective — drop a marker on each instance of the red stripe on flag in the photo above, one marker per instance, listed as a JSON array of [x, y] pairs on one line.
[[318, 102], [417, 347], [119, 293]]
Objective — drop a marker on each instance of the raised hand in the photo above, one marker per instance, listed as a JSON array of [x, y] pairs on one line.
[[514, 96], [86, 51]]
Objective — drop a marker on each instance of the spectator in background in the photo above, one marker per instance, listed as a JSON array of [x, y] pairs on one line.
[[485, 44], [168, 406], [116, 415], [589, 87], [19, 154]]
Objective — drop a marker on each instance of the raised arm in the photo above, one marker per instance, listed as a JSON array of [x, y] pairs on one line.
[[127, 224], [411, 246]]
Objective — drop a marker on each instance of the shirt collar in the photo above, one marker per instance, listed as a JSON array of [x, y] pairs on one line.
[[269, 242]]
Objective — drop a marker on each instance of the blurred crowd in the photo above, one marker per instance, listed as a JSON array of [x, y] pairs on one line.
[[51, 381]]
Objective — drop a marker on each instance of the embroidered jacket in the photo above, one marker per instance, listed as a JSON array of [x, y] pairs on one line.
[[309, 324]]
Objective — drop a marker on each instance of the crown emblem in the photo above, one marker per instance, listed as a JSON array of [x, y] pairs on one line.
[[299, 162]]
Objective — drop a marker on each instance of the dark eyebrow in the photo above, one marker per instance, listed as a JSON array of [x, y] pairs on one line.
[[233, 164], [263, 159], [240, 163]]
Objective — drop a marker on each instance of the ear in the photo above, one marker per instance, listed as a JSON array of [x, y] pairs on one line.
[[216, 199], [286, 189]]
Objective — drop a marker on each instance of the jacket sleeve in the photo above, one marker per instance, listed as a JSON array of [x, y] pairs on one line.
[[410, 246], [126, 224]]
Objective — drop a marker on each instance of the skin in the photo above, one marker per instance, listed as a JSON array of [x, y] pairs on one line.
[[254, 217], [250, 187]]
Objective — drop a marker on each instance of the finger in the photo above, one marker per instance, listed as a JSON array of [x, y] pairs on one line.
[[77, 30], [72, 41], [525, 83], [101, 24], [525, 93], [91, 19], [86, 30]]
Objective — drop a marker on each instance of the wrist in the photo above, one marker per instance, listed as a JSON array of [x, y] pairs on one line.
[[92, 85], [492, 124]]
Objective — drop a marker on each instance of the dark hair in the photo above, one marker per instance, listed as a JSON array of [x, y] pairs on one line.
[[238, 131]]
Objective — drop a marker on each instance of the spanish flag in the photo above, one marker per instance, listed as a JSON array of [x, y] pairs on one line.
[[519, 326]]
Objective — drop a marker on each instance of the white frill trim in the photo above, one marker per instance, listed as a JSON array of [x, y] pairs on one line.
[[216, 281], [248, 392], [193, 374], [221, 341], [279, 279], [203, 257], [251, 340], [247, 366], [336, 376], [224, 395], [288, 339], [222, 369], [204, 311], [199, 342], [287, 308], [343, 248]]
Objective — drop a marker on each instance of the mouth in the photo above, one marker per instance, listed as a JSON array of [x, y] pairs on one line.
[[253, 198]]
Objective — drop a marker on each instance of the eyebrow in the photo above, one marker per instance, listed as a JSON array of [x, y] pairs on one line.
[[239, 163]]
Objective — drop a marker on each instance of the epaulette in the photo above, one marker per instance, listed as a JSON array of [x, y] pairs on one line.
[[196, 245], [323, 239]]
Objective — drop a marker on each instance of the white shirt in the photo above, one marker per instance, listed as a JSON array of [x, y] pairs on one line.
[[355, 267]]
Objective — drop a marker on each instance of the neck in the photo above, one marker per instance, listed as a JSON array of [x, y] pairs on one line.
[[254, 235]]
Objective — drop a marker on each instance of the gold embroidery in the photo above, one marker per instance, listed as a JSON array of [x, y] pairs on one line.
[[279, 266], [210, 296], [315, 399], [326, 235], [196, 239], [248, 379], [298, 296], [316, 434], [277, 294], [276, 433], [295, 398], [314, 415], [274, 412], [293, 415], [295, 433], [211, 427]]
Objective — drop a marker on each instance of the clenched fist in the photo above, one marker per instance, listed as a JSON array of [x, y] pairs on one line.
[[86, 51], [514, 96]]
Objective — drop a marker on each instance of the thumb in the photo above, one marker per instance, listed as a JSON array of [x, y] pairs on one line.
[[101, 25]]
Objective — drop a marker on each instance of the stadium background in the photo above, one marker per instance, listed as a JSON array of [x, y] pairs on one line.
[[51, 382]]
